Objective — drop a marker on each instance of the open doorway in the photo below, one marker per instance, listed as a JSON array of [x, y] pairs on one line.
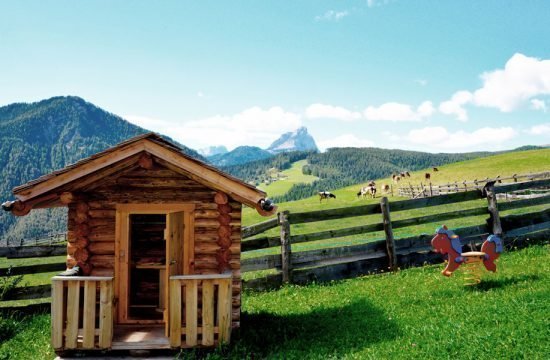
[[147, 266], [153, 243]]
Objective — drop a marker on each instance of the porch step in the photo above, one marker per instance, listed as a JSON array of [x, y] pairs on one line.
[[139, 337]]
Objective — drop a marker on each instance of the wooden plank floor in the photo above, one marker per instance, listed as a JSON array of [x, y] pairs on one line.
[[139, 337]]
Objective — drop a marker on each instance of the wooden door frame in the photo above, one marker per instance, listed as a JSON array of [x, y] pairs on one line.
[[122, 227]]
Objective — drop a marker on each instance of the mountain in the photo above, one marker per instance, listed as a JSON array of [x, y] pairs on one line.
[[240, 155], [212, 151], [299, 140], [40, 137]]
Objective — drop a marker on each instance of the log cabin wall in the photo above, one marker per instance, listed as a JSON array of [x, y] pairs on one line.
[[157, 185]]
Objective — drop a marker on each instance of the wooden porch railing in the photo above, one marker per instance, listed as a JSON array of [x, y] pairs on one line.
[[74, 316], [215, 313]]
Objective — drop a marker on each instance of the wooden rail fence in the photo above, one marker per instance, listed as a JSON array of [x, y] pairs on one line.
[[383, 255], [429, 189]]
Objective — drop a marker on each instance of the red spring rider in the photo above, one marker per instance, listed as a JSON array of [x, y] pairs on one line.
[[447, 242]]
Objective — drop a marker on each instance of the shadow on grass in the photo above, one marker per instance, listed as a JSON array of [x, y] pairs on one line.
[[323, 331], [490, 284]]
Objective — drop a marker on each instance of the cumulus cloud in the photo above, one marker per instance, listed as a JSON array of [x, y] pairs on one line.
[[455, 106], [346, 140], [440, 138], [538, 104], [332, 15], [254, 126], [542, 129], [507, 89], [393, 111], [322, 111], [522, 78]]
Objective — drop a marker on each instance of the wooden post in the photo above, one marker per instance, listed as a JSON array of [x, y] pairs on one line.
[[431, 190], [391, 189], [390, 243], [286, 252], [57, 314], [412, 191], [493, 210]]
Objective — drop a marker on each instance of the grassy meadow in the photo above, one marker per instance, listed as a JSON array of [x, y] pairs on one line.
[[291, 176], [412, 314], [507, 164]]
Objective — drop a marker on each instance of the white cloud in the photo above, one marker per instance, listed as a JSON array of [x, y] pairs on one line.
[[507, 89], [346, 140], [455, 106], [254, 126], [522, 78], [332, 15], [393, 111], [322, 111], [542, 129], [438, 137], [200, 94], [538, 104]]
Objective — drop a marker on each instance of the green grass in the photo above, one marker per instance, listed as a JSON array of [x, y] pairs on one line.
[[413, 314], [293, 176], [34, 279], [30, 340]]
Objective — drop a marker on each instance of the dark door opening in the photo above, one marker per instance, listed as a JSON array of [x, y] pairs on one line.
[[147, 266]]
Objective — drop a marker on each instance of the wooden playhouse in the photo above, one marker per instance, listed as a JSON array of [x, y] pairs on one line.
[[156, 235]]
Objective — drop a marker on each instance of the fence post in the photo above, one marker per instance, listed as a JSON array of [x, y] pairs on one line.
[[493, 210], [390, 243], [286, 252]]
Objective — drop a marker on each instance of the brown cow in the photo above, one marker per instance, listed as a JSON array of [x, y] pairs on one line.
[[435, 169], [427, 176], [385, 188], [407, 173]]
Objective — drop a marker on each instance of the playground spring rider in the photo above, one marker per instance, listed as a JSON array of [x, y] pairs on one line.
[[447, 242]]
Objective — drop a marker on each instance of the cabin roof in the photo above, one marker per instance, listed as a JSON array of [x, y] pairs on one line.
[[52, 184]]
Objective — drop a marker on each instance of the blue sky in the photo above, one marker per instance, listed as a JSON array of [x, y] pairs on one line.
[[438, 76]]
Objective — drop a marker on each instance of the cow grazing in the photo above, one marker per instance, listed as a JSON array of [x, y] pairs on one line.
[[402, 175], [368, 190], [435, 169], [427, 176], [326, 195], [393, 176], [386, 188], [407, 173], [396, 179]]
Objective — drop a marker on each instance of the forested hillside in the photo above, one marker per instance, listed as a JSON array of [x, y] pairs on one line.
[[339, 167], [40, 137]]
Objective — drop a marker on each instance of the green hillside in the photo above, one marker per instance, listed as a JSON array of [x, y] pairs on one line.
[[287, 179], [506, 164]]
